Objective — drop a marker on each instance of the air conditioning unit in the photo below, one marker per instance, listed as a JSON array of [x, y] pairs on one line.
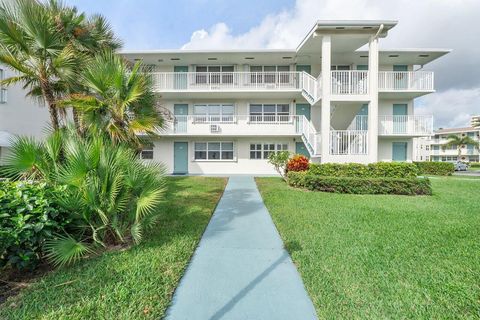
[[214, 128]]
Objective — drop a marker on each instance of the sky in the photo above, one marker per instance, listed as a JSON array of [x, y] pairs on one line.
[[231, 24]]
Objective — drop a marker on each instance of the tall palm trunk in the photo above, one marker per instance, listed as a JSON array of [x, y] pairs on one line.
[[52, 107]]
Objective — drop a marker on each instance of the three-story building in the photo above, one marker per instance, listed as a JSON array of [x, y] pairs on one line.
[[337, 97]]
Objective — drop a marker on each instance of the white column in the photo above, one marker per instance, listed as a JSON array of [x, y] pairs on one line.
[[326, 79], [373, 105]]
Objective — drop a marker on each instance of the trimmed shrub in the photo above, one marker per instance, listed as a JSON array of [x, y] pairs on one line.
[[372, 170], [474, 164], [436, 168], [29, 216], [298, 163], [355, 185]]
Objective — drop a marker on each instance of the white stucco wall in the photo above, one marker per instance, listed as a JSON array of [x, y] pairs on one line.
[[242, 164]]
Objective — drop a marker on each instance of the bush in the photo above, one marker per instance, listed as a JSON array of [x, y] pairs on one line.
[[279, 161], [372, 170], [298, 163], [474, 164], [111, 194], [436, 168], [29, 216], [355, 185]]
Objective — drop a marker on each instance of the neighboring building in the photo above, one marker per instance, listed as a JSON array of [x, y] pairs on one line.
[[470, 153], [228, 109], [421, 149], [475, 121]]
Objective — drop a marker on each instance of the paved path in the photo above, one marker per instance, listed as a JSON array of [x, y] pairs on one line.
[[240, 269]]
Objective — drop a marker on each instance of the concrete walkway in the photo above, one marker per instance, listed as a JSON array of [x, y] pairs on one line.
[[240, 269]]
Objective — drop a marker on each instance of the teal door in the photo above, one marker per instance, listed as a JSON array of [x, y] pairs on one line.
[[361, 122], [303, 109], [180, 77], [180, 111], [301, 149], [400, 121], [304, 67], [401, 77], [399, 151], [363, 67], [180, 157]]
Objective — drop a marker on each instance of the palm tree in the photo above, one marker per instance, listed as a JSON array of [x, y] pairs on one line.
[[45, 44], [112, 197], [120, 102], [459, 142]]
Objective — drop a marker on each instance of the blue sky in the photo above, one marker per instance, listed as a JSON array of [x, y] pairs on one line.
[[146, 24]]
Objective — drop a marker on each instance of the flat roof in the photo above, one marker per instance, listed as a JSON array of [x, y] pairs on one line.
[[453, 130]]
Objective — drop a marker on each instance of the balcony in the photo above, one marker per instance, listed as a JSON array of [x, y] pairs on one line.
[[236, 125], [350, 83], [408, 84], [348, 142], [410, 125]]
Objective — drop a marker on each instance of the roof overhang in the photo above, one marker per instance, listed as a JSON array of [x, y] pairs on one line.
[[415, 56]]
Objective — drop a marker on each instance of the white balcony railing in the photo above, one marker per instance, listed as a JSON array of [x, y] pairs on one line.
[[235, 125], [405, 125], [349, 82], [348, 142], [405, 81], [225, 81]]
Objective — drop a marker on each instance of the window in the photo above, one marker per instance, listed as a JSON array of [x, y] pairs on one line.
[[214, 74], [270, 74], [3, 91], [147, 152], [270, 112], [340, 67], [263, 150], [205, 113], [213, 150], [427, 147]]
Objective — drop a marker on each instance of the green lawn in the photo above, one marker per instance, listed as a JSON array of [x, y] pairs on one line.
[[384, 257], [133, 284]]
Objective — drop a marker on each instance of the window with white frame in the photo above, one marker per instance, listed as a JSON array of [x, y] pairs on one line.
[[213, 150], [214, 112], [214, 74], [269, 112], [263, 150], [3, 90], [270, 74], [147, 151]]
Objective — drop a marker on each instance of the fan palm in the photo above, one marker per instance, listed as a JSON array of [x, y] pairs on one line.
[[45, 43], [111, 195], [459, 142], [120, 101]]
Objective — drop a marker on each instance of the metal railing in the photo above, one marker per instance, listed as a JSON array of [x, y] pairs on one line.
[[348, 142], [218, 81], [405, 125], [405, 80], [349, 82]]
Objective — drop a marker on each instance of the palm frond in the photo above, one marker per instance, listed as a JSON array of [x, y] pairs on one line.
[[65, 250]]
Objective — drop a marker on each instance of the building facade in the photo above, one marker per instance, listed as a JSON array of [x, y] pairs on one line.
[[227, 110], [439, 152]]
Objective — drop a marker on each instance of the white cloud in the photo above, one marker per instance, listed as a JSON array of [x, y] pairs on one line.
[[452, 108], [422, 23]]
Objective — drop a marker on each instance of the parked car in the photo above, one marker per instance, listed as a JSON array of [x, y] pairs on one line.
[[460, 166]]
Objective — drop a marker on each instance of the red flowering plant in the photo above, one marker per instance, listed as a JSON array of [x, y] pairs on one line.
[[298, 163]]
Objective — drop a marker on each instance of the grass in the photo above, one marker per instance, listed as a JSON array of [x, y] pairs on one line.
[[384, 257], [134, 284]]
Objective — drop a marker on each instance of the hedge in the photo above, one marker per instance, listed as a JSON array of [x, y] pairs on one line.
[[372, 170], [435, 168], [474, 164], [355, 185]]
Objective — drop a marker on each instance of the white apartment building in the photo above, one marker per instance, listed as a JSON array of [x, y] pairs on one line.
[[421, 149], [337, 97], [469, 153]]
